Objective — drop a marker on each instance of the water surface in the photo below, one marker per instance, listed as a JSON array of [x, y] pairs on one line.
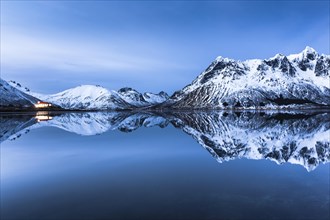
[[174, 165]]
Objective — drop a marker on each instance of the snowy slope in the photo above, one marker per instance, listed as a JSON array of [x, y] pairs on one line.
[[300, 79], [12, 97]]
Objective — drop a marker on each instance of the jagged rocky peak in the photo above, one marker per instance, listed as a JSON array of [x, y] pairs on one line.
[[222, 62], [309, 53], [306, 59], [223, 67], [132, 93], [275, 61], [132, 96], [162, 93], [144, 99], [322, 67], [282, 63], [126, 90]]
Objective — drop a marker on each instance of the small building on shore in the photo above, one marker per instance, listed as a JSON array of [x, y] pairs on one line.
[[41, 104]]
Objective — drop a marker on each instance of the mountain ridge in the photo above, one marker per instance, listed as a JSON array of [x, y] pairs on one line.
[[295, 81]]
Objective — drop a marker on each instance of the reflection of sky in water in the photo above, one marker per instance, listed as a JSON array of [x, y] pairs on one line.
[[149, 173]]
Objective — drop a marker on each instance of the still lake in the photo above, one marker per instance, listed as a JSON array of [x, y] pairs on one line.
[[173, 165]]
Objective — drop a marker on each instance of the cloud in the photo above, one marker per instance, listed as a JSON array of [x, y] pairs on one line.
[[19, 49]]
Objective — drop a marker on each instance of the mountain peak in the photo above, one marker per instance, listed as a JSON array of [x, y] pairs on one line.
[[126, 90], [308, 53], [224, 59], [309, 50], [277, 56]]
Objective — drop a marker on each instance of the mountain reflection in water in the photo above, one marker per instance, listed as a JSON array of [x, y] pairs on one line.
[[296, 137]]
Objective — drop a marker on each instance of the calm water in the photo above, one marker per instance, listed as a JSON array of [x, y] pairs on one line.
[[188, 165]]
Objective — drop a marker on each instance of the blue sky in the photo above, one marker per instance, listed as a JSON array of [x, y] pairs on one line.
[[151, 46]]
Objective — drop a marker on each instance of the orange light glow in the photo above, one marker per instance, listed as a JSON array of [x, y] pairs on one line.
[[42, 105]]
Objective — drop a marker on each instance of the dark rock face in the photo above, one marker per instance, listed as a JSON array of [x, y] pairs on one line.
[[163, 94], [322, 67], [311, 56], [274, 63], [305, 64], [286, 67], [125, 90]]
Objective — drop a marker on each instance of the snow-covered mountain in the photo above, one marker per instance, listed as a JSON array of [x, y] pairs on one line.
[[87, 97], [297, 80], [283, 137], [11, 97], [91, 97]]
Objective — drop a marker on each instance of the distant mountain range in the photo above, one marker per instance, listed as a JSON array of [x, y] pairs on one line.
[[284, 137], [295, 81], [90, 97]]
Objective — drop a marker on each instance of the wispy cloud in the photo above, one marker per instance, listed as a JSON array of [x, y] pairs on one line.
[[32, 52]]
